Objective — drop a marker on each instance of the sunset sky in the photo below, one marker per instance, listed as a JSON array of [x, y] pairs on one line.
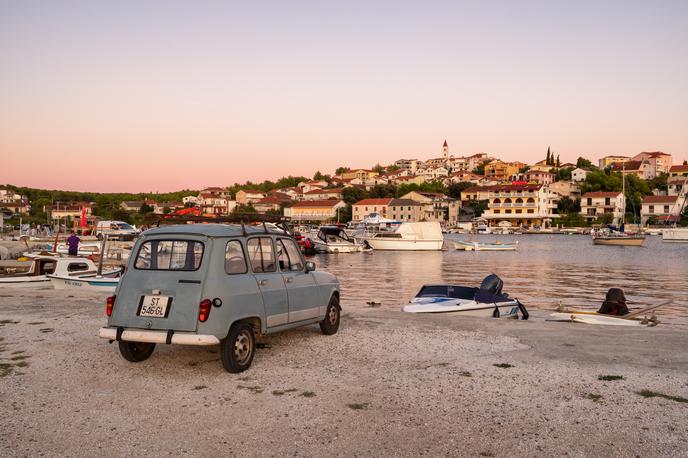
[[164, 95]]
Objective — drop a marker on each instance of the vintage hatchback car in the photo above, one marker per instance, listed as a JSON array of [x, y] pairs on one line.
[[208, 284]]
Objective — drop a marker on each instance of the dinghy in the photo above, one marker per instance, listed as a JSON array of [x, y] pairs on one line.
[[479, 246], [485, 301]]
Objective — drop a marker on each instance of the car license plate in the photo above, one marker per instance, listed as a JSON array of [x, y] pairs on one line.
[[154, 306]]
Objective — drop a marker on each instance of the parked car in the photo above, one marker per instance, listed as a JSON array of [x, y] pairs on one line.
[[209, 284], [118, 230]]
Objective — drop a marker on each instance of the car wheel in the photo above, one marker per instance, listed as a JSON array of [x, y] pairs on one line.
[[238, 348], [99, 236], [136, 351], [330, 325]]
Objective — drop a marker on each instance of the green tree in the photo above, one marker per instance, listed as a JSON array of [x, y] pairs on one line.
[[454, 190], [659, 182], [480, 169], [377, 168], [318, 176], [145, 208], [583, 163], [605, 219], [572, 220], [549, 156], [353, 195], [341, 170], [478, 206], [566, 205], [558, 161]]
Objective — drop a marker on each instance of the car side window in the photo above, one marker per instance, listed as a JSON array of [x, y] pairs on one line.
[[290, 258], [235, 261], [261, 254]]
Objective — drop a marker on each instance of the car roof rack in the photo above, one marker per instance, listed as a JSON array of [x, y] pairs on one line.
[[281, 222]]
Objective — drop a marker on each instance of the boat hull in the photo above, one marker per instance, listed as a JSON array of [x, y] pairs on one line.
[[619, 241], [93, 284], [337, 248], [469, 308], [675, 235], [477, 246], [379, 243], [25, 282], [591, 318]]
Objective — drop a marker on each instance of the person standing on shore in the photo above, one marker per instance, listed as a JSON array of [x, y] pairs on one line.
[[73, 243]]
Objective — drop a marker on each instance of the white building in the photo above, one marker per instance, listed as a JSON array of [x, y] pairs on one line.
[[578, 175], [595, 204], [521, 205], [664, 209]]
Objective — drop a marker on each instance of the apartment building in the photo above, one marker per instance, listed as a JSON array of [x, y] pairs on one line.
[[677, 182], [500, 171], [578, 175], [595, 204], [363, 208], [245, 197], [664, 209], [323, 194], [436, 206], [641, 169], [606, 161], [659, 162], [315, 210], [526, 205]]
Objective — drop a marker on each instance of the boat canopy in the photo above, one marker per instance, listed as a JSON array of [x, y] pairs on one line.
[[331, 233], [425, 231]]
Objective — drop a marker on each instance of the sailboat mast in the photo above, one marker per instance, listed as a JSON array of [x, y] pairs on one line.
[[623, 192]]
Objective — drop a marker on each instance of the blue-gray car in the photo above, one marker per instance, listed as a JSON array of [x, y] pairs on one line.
[[210, 284]]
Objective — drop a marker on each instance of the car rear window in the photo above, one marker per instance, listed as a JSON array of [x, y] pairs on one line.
[[169, 255]]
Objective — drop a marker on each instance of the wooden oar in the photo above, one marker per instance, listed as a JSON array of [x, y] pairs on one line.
[[645, 310]]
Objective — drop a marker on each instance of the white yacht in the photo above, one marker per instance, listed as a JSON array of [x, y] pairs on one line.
[[409, 237]]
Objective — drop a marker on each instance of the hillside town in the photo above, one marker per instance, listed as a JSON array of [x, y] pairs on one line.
[[448, 189]]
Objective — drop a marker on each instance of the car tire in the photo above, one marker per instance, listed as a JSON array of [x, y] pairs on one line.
[[136, 352], [330, 324], [238, 348], [99, 236]]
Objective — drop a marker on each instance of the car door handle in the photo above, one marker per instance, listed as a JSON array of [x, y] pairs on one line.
[[290, 280], [262, 282]]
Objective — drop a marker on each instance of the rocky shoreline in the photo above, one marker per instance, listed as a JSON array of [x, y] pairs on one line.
[[388, 383]]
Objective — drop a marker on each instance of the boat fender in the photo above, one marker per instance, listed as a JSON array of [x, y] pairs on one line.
[[495, 314], [524, 311]]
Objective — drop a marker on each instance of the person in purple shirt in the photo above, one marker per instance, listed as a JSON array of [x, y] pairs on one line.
[[73, 243]]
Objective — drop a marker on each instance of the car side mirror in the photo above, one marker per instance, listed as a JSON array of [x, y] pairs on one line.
[[310, 266]]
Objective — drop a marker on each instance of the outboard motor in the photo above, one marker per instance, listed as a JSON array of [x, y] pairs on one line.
[[615, 303], [492, 284]]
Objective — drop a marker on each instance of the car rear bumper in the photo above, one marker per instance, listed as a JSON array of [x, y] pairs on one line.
[[142, 335]]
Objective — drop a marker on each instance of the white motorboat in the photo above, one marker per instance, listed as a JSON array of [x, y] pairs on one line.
[[333, 239], [675, 235], [425, 236], [485, 301], [35, 271], [479, 246]]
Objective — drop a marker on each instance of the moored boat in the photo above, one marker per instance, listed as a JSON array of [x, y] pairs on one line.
[[675, 235], [333, 239], [480, 246], [426, 236]]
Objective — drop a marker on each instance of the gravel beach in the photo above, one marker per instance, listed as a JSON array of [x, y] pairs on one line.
[[386, 384]]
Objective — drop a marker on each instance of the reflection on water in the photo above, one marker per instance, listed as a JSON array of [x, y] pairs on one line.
[[546, 270]]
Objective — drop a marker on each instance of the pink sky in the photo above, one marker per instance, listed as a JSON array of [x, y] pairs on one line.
[[94, 97]]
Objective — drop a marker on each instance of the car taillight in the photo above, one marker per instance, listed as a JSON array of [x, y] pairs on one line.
[[204, 310], [110, 303]]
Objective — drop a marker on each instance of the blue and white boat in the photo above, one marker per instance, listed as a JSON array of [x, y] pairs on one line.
[[104, 284], [485, 301]]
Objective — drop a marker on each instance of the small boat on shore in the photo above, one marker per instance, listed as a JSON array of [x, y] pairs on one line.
[[480, 246], [36, 271], [485, 301], [426, 236]]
